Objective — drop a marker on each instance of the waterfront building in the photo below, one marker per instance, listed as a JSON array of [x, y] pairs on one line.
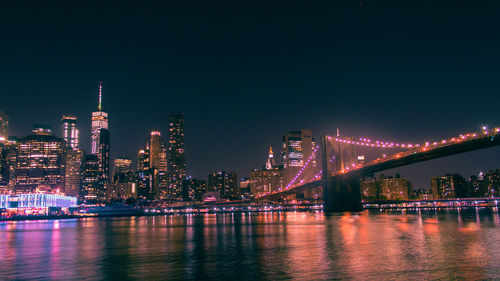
[[176, 161], [70, 132], [394, 188], [226, 183], [100, 136], [193, 189], [492, 183], [36, 200], [40, 162], [449, 186], [124, 186], [297, 148], [73, 173], [370, 189], [4, 126]]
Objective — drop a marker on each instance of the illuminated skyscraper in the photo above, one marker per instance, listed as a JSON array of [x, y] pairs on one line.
[[91, 186], [40, 162], [70, 131], [4, 126], [74, 166], [297, 148], [155, 149], [100, 142], [176, 162], [143, 160]]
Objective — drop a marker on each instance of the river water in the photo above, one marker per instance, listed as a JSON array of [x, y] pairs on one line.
[[452, 244]]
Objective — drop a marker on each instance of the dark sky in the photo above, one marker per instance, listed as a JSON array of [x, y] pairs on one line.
[[246, 72]]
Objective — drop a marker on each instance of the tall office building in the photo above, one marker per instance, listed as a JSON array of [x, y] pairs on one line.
[[296, 151], [74, 156], [91, 189], [4, 126], [70, 131], [143, 160], [176, 171], [100, 142], [40, 162], [155, 149]]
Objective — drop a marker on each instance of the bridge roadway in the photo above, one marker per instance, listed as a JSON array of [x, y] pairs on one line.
[[457, 145]]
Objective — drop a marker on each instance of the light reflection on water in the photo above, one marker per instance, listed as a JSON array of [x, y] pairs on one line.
[[451, 244]]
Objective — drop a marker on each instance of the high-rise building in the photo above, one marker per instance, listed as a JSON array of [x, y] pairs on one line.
[[4, 126], [40, 162], [70, 131], [224, 183], [176, 171], [155, 149], [296, 151], [73, 174], [100, 142], [143, 160], [91, 190], [449, 186], [122, 165]]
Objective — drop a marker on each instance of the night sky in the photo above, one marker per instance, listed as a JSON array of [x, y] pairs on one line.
[[244, 73]]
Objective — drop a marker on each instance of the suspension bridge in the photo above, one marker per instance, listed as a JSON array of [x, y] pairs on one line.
[[344, 164]]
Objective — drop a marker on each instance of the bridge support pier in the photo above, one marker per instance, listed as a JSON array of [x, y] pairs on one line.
[[342, 194]]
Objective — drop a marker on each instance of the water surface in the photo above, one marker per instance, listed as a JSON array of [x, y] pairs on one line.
[[275, 246]]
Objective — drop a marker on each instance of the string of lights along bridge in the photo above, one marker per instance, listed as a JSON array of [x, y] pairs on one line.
[[408, 150]]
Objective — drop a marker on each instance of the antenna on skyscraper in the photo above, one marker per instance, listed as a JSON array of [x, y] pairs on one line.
[[99, 107]]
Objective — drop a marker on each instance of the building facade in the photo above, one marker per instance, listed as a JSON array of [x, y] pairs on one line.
[[40, 162], [297, 149], [100, 145], [70, 132], [226, 183], [176, 171]]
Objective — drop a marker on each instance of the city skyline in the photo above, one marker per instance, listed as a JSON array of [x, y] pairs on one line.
[[339, 74]]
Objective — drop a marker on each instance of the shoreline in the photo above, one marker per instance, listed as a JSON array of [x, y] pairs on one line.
[[145, 214]]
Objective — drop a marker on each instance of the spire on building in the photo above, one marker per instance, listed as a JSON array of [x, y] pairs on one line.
[[270, 163], [99, 107]]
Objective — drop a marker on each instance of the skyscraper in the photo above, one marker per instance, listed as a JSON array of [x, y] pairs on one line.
[[70, 131], [91, 190], [73, 175], [74, 156], [40, 162], [155, 149], [297, 149], [4, 126], [176, 162], [100, 142]]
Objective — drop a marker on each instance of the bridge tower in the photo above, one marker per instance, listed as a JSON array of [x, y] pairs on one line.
[[340, 193]]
